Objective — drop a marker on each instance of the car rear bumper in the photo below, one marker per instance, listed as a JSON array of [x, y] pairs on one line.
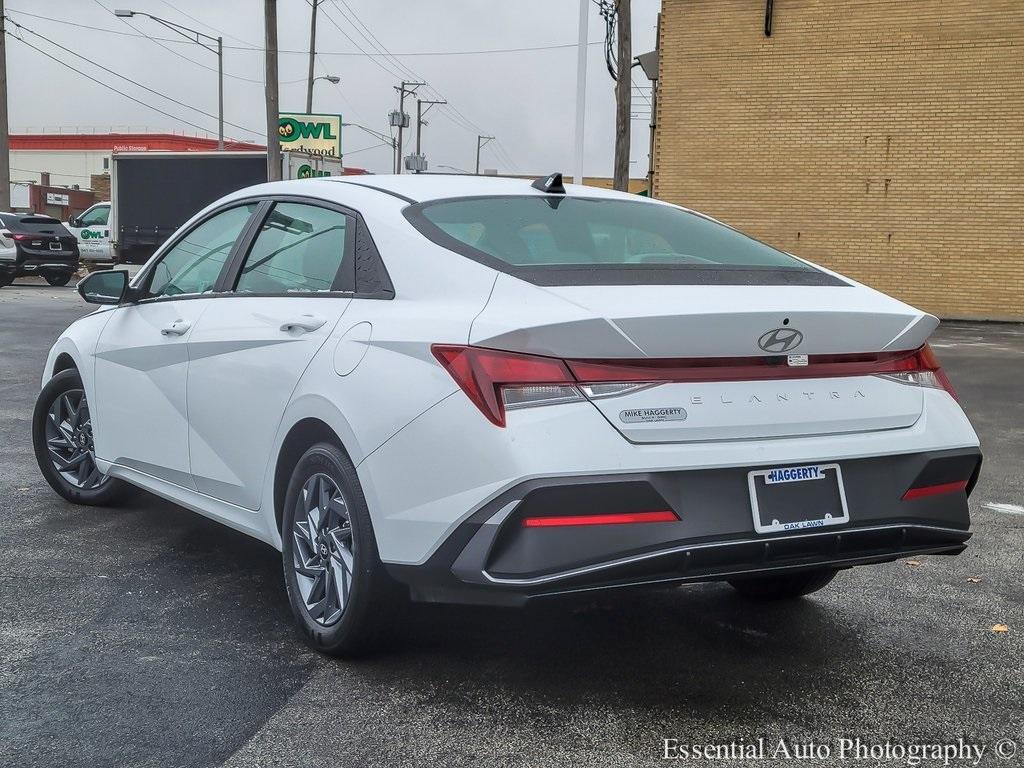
[[493, 558], [37, 267]]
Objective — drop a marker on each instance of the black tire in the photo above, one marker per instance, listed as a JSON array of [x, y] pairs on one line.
[[58, 279], [6, 280], [374, 598], [108, 490], [787, 586]]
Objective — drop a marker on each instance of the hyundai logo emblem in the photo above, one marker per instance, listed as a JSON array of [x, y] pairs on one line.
[[779, 340]]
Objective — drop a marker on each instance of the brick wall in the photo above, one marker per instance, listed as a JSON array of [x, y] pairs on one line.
[[100, 183], [881, 138]]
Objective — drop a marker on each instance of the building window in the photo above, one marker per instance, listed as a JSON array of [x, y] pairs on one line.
[[106, 163]]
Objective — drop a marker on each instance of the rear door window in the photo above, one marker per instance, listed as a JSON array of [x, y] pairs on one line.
[[299, 249]]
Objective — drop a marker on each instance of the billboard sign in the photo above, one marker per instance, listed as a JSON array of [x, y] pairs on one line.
[[315, 134]]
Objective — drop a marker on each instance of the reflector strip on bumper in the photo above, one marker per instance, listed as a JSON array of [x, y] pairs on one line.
[[935, 490], [664, 516]]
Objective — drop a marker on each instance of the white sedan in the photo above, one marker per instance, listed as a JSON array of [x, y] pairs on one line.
[[485, 390]]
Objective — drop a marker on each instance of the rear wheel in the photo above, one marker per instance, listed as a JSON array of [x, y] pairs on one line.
[[6, 280], [63, 442], [784, 586], [58, 279], [338, 590]]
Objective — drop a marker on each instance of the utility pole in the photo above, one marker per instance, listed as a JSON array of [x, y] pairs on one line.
[[220, 94], [5, 139], [481, 141], [420, 122], [270, 79], [581, 92], [406, 89], [312, 55], [623, 97]]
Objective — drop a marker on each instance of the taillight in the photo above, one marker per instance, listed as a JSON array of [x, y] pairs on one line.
[[924, 371], [12, 236], [496, 380]]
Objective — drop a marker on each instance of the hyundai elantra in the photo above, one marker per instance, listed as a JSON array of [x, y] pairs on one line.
[[487, 390]]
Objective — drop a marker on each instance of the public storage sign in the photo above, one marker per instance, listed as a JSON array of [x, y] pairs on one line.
[[316, 134]]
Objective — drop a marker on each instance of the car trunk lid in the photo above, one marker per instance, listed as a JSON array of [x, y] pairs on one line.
[[720, 331]]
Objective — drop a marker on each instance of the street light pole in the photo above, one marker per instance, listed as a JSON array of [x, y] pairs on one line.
[[329, 78], [197, 37]]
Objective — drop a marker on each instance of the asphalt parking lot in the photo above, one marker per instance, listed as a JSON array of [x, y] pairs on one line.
[[148, 636]]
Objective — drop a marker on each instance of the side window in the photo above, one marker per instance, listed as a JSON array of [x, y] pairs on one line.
[[300, 249], [96, 217], [194, 263]]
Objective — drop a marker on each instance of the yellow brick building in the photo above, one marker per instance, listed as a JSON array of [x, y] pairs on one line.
[[881, 138]]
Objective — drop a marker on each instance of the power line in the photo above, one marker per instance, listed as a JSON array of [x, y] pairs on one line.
[[204, 24], [447, 109], [128, 79], [259, 49], [365, 149], [189, 59], [108, 87]]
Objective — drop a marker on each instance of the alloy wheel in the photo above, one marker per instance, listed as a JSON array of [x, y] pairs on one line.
[[69, 440], [324, 553]]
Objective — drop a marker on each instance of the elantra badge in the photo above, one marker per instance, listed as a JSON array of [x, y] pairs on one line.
[[779, 340], [651, 415]]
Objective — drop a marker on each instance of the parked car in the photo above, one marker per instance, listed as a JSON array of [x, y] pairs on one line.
[[484, 390], [31, 244], [92, 231]]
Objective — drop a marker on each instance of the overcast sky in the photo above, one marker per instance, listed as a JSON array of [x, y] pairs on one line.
[[526, 98]]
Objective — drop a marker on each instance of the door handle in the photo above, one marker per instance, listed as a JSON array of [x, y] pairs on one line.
[[303, 323], [177, 328]]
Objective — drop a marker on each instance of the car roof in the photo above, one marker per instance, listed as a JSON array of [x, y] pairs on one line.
[[422, 187]]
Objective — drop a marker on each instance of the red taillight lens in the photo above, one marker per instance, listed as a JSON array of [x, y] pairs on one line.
[[928, 362], [531, 379], [615, 518], [481, 374]]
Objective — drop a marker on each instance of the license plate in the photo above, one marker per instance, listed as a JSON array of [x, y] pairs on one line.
[[55, 246], [796, 498]]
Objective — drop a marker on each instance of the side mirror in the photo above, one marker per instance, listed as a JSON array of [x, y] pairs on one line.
[[107, 286], [75, 222]]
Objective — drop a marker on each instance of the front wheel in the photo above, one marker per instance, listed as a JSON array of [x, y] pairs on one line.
[[786, 586], [58, 279], [63, 443], [338, 590]]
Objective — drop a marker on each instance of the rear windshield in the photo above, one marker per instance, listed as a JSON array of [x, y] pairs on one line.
[[573, 240], [36, 225]]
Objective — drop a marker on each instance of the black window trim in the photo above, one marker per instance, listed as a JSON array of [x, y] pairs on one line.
[[345, 282], [614, 274]]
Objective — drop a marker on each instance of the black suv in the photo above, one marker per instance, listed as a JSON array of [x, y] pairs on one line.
[[31, 244]]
